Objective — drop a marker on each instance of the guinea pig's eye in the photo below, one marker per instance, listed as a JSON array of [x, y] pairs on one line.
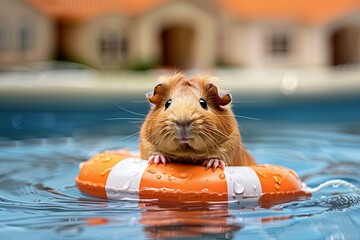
[[167, 104], [203, 103]]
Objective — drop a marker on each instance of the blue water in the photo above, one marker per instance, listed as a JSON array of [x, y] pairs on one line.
[[39, 199]]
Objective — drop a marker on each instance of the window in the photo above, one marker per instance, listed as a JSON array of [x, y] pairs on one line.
[[25, 37], [113, 46], [280, 44], [2, 38]]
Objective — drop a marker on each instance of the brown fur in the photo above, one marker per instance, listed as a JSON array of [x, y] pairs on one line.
[[214, 132]]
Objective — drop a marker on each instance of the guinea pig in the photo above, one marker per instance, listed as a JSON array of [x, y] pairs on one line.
[[190, 122]]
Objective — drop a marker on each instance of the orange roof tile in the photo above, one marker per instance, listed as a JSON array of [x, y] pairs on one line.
[[84, 9], [304, 11]]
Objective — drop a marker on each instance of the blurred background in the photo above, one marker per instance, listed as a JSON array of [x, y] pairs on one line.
[[68, 65]]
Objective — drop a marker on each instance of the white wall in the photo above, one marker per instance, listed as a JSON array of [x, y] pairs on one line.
[[14, 13], [311, 46], [248, 45]]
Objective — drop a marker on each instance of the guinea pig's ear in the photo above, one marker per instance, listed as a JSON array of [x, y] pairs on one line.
[[157, 96], [213, 95]]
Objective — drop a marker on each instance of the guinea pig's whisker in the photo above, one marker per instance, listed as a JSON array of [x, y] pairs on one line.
[[127, 118], [228, 137], [164, 136], [216, 130], [135, 122], [220, 133], [161, 138], [129, 111], [246, 117], [139, 101], [133, 134], [160, 133], [121, 118], [207, 149], [152, 133], [243, 129], [210, 136], [156, 138], [211, 139], [240, 116], [242, 147], [224, 122], [249, 101]]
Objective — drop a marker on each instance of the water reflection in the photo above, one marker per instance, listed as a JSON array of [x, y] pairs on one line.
[[161, 221]]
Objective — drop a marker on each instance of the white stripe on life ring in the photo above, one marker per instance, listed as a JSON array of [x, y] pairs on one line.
[[124, 179], [243, 185]]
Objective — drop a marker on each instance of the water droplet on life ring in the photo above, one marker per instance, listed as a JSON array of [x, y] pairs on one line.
[[152, 171], [205, 190], [277, 179], [158, 176], [170, 177], [222, 176], [107, 159], [183, 175], [238, 188], [262, 174]]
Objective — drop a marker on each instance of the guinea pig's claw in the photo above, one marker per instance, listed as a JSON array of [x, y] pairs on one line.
[[222, 164], [156, 159], [151, 159], [214, 162]]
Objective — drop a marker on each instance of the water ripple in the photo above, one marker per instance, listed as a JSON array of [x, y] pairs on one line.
[[38, 195]]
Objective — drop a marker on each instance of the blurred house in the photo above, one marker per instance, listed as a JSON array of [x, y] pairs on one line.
[[281, 33], [26, 33], [181, 33]]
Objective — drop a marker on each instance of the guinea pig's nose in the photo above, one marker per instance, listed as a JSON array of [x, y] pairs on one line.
[[183, 123]]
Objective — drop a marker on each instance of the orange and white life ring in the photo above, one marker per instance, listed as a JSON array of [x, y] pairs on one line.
[[116, 175]]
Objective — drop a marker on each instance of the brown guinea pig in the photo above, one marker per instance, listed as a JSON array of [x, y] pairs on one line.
[[190, 122]]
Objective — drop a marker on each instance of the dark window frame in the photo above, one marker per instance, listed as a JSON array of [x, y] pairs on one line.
[[26, 37], [280, 44], [113, 45]]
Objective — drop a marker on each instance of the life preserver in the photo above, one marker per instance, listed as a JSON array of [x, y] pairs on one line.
[[114, 175]]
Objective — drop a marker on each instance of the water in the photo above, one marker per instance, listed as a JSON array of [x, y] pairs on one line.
[[41, 148], [39, 200]]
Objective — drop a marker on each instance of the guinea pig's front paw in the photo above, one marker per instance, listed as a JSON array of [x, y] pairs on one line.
[[214, 163], [155, 158]]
